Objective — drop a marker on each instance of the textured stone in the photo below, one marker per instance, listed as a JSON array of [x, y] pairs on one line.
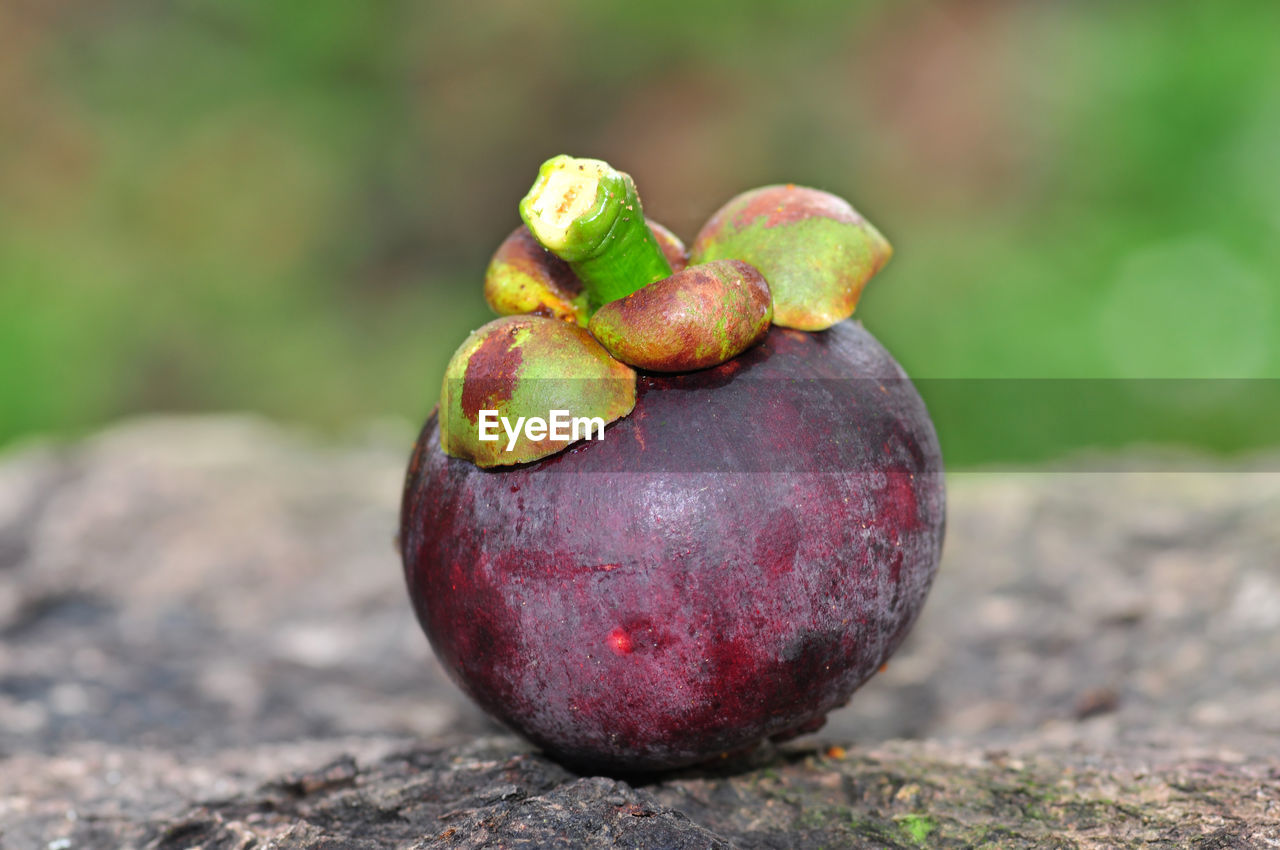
[[205, 641]]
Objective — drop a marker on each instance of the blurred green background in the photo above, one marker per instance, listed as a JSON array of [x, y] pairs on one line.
[[287, 207]]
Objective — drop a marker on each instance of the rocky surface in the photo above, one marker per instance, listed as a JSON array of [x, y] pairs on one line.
[[204, 642]]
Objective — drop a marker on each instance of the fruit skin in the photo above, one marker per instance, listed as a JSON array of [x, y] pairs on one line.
[[751, 544]]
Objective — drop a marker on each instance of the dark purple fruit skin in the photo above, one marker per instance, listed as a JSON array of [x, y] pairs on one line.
[[730, 562]]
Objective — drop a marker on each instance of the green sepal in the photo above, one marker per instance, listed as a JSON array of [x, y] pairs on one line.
[[520, 367], [697, 318], [814, 249]]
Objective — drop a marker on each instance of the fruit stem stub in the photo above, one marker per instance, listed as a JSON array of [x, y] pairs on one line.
[[588, 213]]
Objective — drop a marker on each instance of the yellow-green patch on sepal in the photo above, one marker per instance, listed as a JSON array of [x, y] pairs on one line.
[[523, 277], [519, 368], [815, 251]]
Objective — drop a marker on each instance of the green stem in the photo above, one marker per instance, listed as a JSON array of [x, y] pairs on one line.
[[588, 214]]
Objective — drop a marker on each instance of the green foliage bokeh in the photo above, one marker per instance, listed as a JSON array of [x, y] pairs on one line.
[[287, 207]]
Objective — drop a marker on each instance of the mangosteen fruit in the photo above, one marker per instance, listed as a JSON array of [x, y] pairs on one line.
[[741, 548]]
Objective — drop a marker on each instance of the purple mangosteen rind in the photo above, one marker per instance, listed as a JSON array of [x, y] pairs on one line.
[[745, 549]]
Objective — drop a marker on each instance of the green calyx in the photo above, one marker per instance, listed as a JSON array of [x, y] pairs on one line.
[[590, 290], [588, 213]]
